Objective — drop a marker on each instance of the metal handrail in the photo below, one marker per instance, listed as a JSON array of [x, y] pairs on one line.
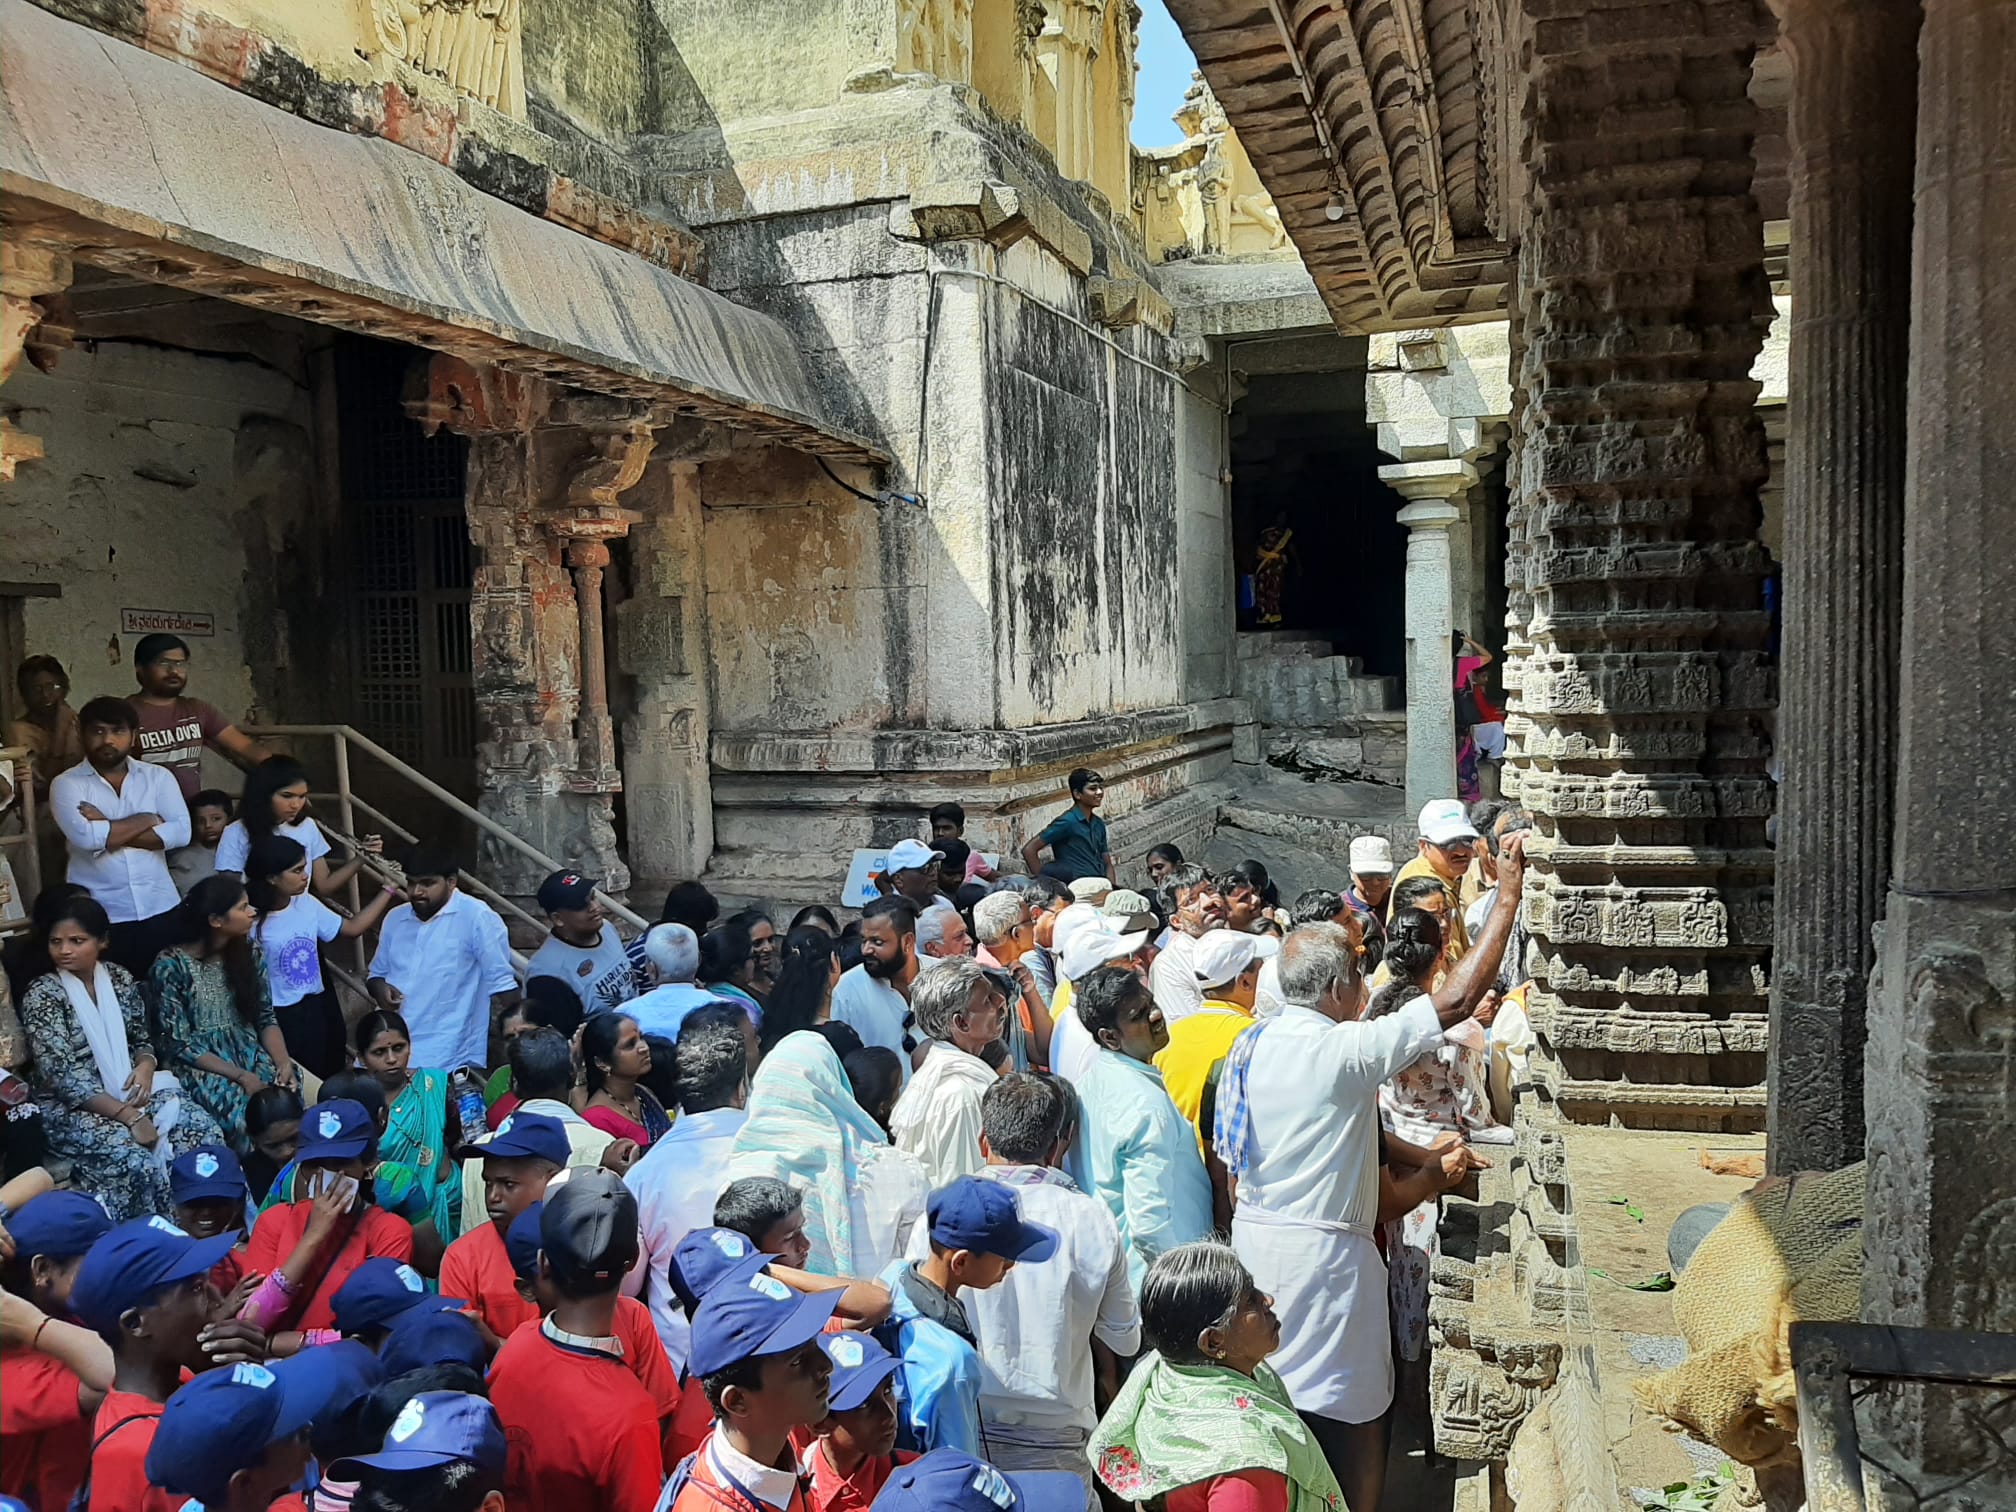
[[16, 762], [347, 803]]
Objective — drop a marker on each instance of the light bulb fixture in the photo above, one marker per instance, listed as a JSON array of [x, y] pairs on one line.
[[1333, 209]]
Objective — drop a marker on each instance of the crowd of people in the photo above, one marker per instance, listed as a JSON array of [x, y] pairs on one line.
[[1017, 1190]]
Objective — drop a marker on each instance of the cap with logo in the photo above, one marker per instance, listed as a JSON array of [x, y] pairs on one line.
[[983, 1216], [588, 1230], [1371, 856], [381, 1290], [946, 1480], [339, 1130], [1444, 821], [134, 1261], [1220, 955], [1093, 890], [707, 1257], [206, 1172], [61, 1225], [1089, 949], [523, 1136], [860, 1364], [423, 1336], [1126, 911], [909, 855], [740, 1320], [435, 1428], [565, 889]]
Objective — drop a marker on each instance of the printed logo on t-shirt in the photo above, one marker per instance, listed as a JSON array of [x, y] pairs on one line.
[[770, 1287], [584, 968], [206, 1165], [411, 1416]]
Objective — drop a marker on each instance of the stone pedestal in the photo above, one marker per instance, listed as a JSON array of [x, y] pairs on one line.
[[1431, 721], [1855, 70], [1941, 1065]]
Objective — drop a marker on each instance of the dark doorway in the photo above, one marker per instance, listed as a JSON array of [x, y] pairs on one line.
[[1304, 459]]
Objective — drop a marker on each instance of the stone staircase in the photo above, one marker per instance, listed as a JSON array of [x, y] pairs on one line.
[[1294, 678]]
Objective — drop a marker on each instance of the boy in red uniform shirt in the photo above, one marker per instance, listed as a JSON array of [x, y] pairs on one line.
[[53, 1374], [853, 1450], [756, 1353], [145, 1287], [643, 1352], [308, 1248], [583, 1431], [208, 1186], [524, 1154], [445, 1452]]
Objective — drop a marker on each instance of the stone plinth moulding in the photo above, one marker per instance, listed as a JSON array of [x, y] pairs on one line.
[[1855, 75], [1940, 1069]]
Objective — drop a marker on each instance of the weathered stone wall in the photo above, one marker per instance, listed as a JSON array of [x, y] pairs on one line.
[[180, 481]]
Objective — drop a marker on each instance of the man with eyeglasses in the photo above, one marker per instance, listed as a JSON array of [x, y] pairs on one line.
[[873, 999], [1447, 846], [173, 729]]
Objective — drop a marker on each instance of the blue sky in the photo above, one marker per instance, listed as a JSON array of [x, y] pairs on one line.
[[1166, 66]]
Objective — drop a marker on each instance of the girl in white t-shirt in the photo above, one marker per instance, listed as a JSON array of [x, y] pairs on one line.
[[276, 803], [293, 926]]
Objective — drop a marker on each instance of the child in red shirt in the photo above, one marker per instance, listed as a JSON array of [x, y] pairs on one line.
[[53, 1374], [584, 1433], [208, 1186], [853, 1449], [525, 1153], [149, 1272]]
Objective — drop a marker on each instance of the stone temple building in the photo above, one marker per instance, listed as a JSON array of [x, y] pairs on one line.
[[704, 437]]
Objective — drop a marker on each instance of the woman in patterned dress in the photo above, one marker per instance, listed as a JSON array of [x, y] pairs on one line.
[[217, 1009], [109, 1110]]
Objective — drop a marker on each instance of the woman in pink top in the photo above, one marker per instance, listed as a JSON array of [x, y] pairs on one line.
[[617, 1058]]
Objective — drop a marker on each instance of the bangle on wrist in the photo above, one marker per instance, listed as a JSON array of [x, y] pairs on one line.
[[35, 1339]]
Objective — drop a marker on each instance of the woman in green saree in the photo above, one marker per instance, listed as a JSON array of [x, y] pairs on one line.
[[1203, 1422], [417, 1112]]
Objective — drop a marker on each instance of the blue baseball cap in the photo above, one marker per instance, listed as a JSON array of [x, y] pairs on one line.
[[983, 1216], [860, 1364], [434, 1428], [218, 1424], [61, 1225], [759, 1316], [423, 1337], [521, 1242], [947, 1481], [204, 1172], [339, 1130], [380, 1290], [521, 1136], [707, 1257], [133, 1262]]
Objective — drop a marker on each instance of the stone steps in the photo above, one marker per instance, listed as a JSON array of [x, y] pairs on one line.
[[1294, 678]]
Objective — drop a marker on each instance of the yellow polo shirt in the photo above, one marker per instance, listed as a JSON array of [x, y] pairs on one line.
[[1198, 1042]]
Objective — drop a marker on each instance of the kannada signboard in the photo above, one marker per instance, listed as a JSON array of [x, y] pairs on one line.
[[171, 621]]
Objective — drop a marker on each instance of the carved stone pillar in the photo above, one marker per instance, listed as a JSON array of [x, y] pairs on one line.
[[28, 277], [1855, 75], [1433, 489], [1066, 50], [1640, 305], [1941, 1062]]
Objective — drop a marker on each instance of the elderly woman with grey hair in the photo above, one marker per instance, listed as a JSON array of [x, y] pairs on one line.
[[961, 1010]]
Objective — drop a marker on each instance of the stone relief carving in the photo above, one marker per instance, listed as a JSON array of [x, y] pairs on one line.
[[939, 37], [475, 45]]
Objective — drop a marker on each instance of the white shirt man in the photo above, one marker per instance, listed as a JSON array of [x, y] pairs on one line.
[[130, 882], [446, 967], [675, 1185], [937, 1117]]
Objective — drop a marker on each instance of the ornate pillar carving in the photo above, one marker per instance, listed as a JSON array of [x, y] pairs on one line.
[[1855, 75], [1640, 681], [1434, 489], [1066, 50], [30, 280], [1940, 1072]]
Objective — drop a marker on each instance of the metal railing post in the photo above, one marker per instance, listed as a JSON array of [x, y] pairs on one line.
[[348, 819]]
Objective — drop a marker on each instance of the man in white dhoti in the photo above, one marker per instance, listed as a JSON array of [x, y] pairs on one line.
[[1298, 1129]]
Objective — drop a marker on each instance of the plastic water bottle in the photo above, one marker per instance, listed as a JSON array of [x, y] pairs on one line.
[[468, 1096]]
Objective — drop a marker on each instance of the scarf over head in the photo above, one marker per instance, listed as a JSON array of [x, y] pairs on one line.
[[806, 1130], [1176, 1425]]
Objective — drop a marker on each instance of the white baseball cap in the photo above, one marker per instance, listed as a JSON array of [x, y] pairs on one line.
[[1371, 856], [1444, 821], [908, 855], [1221, 954], [1072, 919], [1089, 949], [1090, 890]]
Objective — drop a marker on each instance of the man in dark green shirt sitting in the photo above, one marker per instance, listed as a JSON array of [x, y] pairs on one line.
[[1076, 837]]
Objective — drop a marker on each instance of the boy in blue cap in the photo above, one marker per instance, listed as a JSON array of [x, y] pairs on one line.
[[445, 1452], [584, 1432], [757, 1357], [380, 1292], [525, 1153], [977, 1234], [145, 1287], [949, 1481], [53, 1374], [209, 1190], [853, 1450]]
